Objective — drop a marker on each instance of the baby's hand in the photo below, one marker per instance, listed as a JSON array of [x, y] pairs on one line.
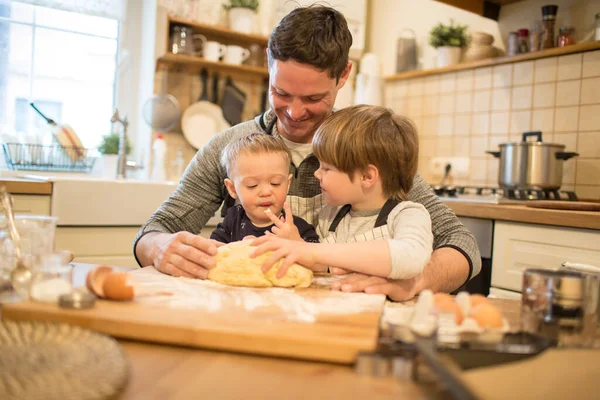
[[284, 226]]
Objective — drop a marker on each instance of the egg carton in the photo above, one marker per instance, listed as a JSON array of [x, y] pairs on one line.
[[423, 319]]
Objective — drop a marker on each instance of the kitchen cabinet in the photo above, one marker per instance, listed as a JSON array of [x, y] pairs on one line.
[[99, 245], [519, 246], [32, 204], [485, 8]]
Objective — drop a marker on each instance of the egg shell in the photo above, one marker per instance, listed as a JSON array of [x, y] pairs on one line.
[[487, 315], [95, 279], [437, 297], [451, 307], [477, 299], [117, 286]]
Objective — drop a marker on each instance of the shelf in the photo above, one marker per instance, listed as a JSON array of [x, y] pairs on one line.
[[195, 64], [221, 34], [557, 51]]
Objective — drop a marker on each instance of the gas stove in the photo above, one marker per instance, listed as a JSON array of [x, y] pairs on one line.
[[494, 195]]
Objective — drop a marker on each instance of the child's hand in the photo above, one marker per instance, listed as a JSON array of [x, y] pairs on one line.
[[291, 251], [284, 226], [339, 271]]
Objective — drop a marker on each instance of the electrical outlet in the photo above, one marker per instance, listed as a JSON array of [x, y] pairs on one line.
[[459, 166]]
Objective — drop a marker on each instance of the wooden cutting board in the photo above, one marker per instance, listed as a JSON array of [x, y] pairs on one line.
[[564, 205], [313, 323]]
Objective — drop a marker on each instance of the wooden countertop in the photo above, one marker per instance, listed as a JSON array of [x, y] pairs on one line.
[[521, 213], [26, 186]]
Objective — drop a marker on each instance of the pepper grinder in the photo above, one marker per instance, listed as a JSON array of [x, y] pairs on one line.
[[549, 18]]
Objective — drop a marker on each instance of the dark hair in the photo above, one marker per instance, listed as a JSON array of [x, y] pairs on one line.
[[354, 137], [315, 35]]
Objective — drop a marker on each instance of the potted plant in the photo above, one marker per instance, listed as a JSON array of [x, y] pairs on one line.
[[449, 41], [241, 14], [109, 148]]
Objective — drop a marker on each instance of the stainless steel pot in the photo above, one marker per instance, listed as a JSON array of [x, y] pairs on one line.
[[531, 165]]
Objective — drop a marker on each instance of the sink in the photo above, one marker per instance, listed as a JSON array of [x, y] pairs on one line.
[[106, 202]]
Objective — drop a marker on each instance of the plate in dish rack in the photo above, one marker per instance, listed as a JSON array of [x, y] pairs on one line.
[[40, 360]]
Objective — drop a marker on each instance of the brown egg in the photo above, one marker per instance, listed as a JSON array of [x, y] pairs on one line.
[[95, 279], [487, 315], [477, 299], [118, 286], [442, 297], [445, 303]]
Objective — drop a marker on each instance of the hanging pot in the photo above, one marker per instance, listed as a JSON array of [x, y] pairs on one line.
[[531, 165]]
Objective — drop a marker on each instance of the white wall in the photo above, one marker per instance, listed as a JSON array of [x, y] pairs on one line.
[[388, 17], [579, 13]]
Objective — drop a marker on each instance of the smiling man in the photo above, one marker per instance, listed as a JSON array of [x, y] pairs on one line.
[[308, 65]]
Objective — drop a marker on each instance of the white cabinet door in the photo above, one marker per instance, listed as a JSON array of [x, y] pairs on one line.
[[33, 204], [99, 245], [519, 246]]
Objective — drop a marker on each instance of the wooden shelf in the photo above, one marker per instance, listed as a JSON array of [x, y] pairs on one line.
[[195, 64], [224, 35], [557, 51]]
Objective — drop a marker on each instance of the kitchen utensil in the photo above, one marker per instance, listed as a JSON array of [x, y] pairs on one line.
[[564, 205], [213, 51], [20, 276], [162, 111], [560, 305], [406, 51], [314, 323], [203, 119], [182, 40], [235, 55], [531, 165], [233, 102], [65, 136]]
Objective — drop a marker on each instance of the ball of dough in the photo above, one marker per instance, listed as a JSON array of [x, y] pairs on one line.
[[235, 267]]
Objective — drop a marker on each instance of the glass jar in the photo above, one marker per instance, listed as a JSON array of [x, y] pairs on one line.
[[181, 40], [565, 36], [52, 277], [549, 19], [523, 40], [513, 44]]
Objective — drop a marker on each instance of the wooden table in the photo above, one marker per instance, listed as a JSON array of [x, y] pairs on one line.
[[175, 372]]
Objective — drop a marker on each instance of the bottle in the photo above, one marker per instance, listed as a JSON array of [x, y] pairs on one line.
[[549, 18], [597, 36], [513, 44], [159, 150], [565, 36], [523, 40], [179, 164]]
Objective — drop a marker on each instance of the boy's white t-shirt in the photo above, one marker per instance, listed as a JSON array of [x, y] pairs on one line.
[[407, 231], [299, 150]]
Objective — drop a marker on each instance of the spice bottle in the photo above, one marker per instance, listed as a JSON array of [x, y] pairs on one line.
[[597, 36], [523, 40], [549, 18], [565, 36], [513, 44]]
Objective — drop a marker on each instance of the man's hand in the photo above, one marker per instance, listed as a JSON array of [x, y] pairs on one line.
[[284, 226], [397, 290], [291, 251], [183, 254]]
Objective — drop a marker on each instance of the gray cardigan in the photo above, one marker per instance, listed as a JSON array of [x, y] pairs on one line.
[[201, 192]]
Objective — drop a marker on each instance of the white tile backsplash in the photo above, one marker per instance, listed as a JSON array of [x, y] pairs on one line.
[[464, 102], [545, 70], [479, 145], [480, 124], [520, 121], [587, 167], [499, 123], [543, 120], [464, 81], [415, 106], [445, 125], [566, 119], [502, 76], [479, 169], [543, 95], [448, 83], [462, 146], [501, 99], [568, 93], [523, 73], [462, 124], [591, 64], [569, 140], [589, 118], [522, 97], [483, 78], [590, 90], [431, 105], [587, 145], [432, 85], [569, 67], [482, 100], [447, 104], [416, 87]]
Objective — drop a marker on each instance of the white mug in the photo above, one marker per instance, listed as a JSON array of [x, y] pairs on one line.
[[236, 55], [213, 51], [198, 48]]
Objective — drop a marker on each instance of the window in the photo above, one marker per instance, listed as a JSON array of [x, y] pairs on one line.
[[63, 62]]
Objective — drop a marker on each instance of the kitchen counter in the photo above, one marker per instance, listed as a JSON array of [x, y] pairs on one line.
[[521, 213], [26, 186]]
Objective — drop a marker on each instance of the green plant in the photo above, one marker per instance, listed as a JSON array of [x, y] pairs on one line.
[[448, 35], [110, 144], [251, 4]]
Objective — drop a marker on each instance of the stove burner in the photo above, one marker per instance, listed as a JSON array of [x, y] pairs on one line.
[[539, 194], [511, 194]]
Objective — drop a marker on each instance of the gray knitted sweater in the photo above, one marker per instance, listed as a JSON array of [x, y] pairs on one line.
[[201, 192]]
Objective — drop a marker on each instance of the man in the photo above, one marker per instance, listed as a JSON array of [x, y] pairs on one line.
[[308, 65]]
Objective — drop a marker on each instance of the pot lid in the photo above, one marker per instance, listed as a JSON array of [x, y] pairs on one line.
[[538, 142]]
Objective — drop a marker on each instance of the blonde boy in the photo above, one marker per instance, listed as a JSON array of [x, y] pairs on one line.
[[258, 167], [368, 158]]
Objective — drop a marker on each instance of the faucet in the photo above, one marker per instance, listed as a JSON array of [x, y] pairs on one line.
[[122, 157]]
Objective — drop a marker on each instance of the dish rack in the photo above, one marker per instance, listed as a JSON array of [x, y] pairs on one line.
[[55, 158]]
